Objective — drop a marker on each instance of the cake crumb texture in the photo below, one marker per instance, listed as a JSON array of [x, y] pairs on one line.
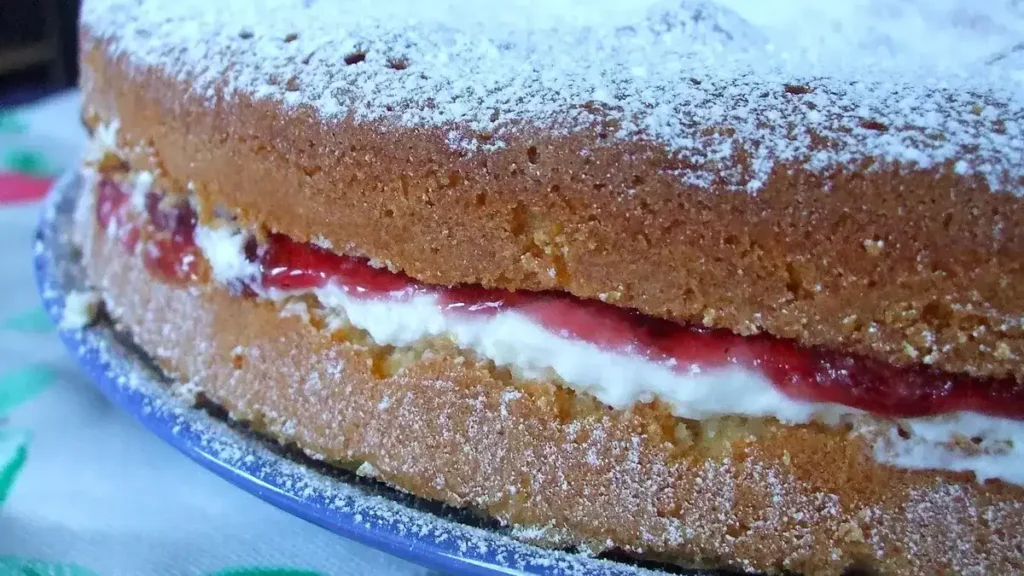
[[80, 309]]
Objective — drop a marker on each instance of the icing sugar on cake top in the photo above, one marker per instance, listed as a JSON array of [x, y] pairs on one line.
[[922, 83]]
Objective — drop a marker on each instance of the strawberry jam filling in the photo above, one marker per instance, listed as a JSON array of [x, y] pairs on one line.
[[166, 234]]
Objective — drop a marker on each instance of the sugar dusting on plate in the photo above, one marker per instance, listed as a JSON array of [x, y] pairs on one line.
[[80, 309], [812, 85]]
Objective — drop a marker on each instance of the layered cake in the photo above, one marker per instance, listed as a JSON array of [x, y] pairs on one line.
[[639, 278]]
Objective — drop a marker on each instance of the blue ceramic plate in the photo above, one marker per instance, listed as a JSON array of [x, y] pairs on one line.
[[368, 512]]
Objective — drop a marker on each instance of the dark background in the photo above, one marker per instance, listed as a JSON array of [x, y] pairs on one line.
[[38, 42]]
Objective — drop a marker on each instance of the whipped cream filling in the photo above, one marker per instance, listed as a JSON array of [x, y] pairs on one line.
[[988, 446], [618, 379], [222, 246]]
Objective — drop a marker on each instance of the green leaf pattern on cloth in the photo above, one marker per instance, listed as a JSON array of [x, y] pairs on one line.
[[19, 159], [34, 321], [26, 161], [14, 566], [21, 384], [264, 572], [18, 386], [11, 124], [13, 453]]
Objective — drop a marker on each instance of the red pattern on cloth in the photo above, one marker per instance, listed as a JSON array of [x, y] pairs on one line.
[[19, 188]]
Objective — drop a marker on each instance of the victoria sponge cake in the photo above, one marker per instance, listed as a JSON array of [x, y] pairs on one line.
[[708, 284]]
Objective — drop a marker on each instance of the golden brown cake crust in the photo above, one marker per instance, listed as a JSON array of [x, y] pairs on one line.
[[443, 426], [905, 266]]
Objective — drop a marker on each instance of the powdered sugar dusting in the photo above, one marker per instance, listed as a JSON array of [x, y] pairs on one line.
[[930, 508], [787, 82], [80, 308]]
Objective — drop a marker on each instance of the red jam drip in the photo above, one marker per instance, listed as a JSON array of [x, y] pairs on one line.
[[801, 373], [166, 231], [289, 265], [171, 251], [114, 213]]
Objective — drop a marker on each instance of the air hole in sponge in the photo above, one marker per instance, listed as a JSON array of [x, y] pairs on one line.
[[797, 89], [738, 530], [937, 314], [355, 58], [531, 154], [947, 221], [291, 37], [398, 63], [518, 221], [454, 178], [794, 281], [380, 365], [874, 125]]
